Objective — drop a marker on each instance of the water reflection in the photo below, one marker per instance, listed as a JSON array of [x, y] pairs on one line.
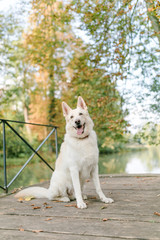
[[136, 166], [145, 161], [32, 174]]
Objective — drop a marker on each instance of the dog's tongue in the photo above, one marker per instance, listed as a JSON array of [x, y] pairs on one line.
[[80, 130]]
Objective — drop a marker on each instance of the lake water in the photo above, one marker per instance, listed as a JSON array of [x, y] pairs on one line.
[[136, 162]]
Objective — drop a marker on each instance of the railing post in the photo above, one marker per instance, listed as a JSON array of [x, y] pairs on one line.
[[56, 142], [4, 157]]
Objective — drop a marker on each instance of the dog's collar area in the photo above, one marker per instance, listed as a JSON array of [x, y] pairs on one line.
[[84, 137]]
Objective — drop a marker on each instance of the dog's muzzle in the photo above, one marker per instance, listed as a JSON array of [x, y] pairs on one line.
[[79, 127]]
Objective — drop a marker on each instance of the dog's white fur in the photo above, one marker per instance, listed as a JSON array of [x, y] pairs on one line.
[[77, 161]]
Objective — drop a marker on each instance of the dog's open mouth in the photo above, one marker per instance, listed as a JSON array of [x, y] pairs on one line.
[[80, 129]]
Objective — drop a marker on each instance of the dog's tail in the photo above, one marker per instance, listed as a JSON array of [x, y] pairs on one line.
[[35, 192]]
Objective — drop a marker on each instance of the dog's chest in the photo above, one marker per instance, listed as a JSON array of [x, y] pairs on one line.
[[83, 153], [85, 161]]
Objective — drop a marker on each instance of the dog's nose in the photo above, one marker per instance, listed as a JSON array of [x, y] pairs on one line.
[[78, 122]]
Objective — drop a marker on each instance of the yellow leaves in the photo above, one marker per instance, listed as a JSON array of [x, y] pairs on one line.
[[109, 142], [16, 190], [103, 101], [29, 198], [103, 207], [150, 9]]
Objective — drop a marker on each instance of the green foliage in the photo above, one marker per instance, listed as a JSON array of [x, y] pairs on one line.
[[48, 62], [120, 30], [124, 41], [103, 99], [18, 78], [14, 146], [149, 134]]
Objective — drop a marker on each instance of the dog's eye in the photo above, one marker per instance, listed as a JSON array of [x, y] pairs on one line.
[[80, 113], [71, 116]]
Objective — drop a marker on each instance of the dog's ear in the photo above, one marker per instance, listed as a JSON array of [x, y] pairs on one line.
[[66, 109], [81, 103]]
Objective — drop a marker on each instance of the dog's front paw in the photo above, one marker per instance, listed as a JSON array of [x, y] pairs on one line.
[[81, 205], [107, 200]]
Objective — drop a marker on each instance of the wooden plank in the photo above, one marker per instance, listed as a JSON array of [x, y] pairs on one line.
[[26, 235], [121, 209], [86, 227], [130, 217]]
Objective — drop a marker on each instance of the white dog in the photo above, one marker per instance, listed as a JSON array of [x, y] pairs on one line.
[[77, 161]]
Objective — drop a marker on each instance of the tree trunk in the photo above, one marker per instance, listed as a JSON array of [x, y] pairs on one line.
[[152, 16], [26, 120]]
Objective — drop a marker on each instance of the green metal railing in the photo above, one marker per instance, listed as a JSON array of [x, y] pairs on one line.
[[6, 122]]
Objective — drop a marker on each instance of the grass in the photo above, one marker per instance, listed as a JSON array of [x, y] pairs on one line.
[[19, 161]]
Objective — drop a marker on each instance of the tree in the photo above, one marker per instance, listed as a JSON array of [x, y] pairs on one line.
[[101, 95], [17, 73], [46, 41], [149, 134], [70, 69], [124, 41]]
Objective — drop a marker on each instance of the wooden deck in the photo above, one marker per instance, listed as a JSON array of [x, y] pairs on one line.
[[132, 216]]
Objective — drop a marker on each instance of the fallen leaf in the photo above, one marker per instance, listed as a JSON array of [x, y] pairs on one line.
[[29, 198], [16, 190], [48, 219], [45, 203], [157, 213], [36, 207], [48, 207], [21, 229], [20, 199], [32, 205], [103, 207], [105, 219], [37, 231], [71, 205], [92, 198]]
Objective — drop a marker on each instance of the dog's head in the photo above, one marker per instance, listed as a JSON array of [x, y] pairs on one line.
[[78, 122]]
